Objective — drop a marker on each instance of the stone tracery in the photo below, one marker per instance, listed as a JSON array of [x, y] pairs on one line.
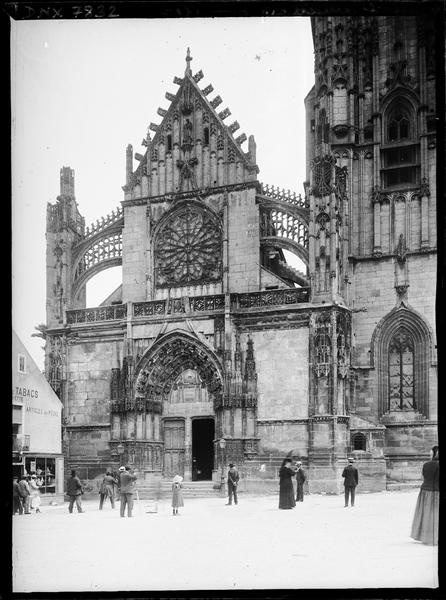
[[188, 248]]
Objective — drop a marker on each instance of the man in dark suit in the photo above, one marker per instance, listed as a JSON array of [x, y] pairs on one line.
[[350, 475], [74, 491], [127, 486], [233, 478], [300, 480]]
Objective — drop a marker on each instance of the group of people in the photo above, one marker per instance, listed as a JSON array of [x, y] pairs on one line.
[[287, 498], [425, 521], [26, 494]]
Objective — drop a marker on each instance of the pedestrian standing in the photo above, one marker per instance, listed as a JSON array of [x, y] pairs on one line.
[[177, 495], [286, 490], [35, 493], [351, 478], [25, 493], [233, 479], [425, 521], [107, 490], [127, 485], [300, 480], [17, 505], [74, 491]]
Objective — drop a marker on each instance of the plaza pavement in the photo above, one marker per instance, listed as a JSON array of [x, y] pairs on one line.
[[320, 544]]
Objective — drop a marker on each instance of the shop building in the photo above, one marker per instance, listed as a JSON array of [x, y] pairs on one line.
[[36, 425]]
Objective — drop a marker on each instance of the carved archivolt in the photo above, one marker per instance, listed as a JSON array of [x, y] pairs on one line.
[[168, 358]]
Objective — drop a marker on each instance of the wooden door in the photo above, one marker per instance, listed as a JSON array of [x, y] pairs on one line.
[[174, 436]]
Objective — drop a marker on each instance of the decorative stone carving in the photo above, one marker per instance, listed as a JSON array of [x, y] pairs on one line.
[[322, 347], [188, 249], [401, 249], [322, 167]]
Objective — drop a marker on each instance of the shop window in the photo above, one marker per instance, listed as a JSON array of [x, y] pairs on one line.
[[21, 363], [45, 469], [359, 441], [401, 372]]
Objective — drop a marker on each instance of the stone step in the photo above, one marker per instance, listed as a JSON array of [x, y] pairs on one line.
[[399, 486]]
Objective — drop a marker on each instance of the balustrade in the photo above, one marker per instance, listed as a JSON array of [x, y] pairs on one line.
[[270, 298], [270, 191], [103, 223], [215, 303], [101, 313]]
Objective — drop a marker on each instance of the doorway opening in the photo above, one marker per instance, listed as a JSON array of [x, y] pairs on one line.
[[202, 449]]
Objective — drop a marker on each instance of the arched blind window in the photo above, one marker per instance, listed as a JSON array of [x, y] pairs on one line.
[[401, 372], [398, 124]]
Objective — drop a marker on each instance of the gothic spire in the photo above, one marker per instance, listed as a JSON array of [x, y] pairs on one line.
[[188, 70]]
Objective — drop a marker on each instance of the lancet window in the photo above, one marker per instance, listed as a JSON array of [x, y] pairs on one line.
[[401, 372]]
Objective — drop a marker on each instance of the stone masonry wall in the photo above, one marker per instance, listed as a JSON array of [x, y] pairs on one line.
[[282, 366], [243, 241], [134, 241]]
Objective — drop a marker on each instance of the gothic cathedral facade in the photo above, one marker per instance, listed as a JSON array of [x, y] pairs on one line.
[[214, 349]]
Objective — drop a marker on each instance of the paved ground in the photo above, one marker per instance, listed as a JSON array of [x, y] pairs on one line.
[[319, 544]]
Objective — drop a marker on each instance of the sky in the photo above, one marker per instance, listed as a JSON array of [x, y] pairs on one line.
[[82, 90]]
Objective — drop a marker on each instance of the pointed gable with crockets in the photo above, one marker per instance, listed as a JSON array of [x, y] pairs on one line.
[[192, 148]]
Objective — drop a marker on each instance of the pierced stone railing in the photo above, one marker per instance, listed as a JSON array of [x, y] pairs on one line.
[[270, 298], [149, 309], [276, 193], [179, 305], [104, 222], [203, 303], [101, 313]]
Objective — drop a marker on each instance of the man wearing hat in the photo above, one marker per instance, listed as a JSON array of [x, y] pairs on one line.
[[127, 485], [300, 480], [74, 491], [350, 475], [233, 478]]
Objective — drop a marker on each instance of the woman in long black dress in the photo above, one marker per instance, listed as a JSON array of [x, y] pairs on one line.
[[286, 490], [425, 521]]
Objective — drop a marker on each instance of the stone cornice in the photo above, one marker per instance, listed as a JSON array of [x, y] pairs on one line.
[[383, 256], [303, 421]]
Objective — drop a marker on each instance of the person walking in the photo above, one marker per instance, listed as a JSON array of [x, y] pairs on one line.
[[127, 485], [286, 490], [25, 493], [351, 478], [177, 495], [233, 479], [107, 490], [17, 505], [300, 480], [74, 491], [34, 493], [425, 520]]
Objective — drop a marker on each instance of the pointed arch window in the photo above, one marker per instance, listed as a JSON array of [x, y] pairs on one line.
[[398, 124], [400, 153], [401, 372]]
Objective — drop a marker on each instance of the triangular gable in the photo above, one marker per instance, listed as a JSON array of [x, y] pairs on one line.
[[205, 115]]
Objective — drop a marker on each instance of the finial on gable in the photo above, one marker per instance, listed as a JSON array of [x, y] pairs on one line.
[[188, 59]]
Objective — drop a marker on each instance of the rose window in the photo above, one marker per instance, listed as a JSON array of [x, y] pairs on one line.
[[188, 249]]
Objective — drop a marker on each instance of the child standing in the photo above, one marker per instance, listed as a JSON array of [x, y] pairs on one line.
[[177, 496]]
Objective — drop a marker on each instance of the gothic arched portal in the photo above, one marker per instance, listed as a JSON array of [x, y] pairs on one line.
[[187, 424]]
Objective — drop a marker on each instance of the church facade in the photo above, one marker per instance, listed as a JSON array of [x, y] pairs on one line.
[[214, 349]]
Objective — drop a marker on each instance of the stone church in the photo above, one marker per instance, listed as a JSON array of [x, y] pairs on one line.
[[214, 349]]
